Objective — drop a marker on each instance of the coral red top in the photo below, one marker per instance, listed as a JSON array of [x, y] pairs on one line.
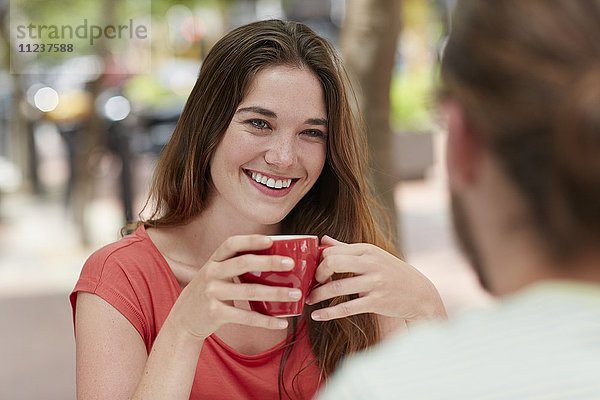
[[133, 277]]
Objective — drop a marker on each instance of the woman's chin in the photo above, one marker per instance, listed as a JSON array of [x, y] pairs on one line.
[[267, 218]]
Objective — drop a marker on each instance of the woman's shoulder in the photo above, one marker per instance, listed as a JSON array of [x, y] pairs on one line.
[[130, 268], [131, 252], [130, 275]]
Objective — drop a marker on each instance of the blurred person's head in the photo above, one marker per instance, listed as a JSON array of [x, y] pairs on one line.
[[339, 203], [521, 95]]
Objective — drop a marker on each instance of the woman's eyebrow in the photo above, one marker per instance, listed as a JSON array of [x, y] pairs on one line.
[[316, 121], [272, 114], [258, 110]]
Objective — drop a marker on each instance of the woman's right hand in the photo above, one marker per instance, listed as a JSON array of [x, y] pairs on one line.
[[206, 303]]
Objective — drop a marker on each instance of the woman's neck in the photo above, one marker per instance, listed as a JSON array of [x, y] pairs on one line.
[[193, 244]]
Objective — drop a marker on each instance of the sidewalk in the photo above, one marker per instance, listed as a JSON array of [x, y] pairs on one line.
[[428, 238], [40, 260]]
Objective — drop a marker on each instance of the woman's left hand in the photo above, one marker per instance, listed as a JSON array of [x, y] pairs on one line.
[[385, 284]]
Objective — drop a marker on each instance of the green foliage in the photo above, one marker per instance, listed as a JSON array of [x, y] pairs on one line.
[[160, 7], [412, 90], [66, 12], [147, 91], [411, 95]]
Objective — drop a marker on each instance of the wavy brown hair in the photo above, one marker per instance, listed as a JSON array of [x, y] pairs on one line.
[[527, 74], [339, 204]]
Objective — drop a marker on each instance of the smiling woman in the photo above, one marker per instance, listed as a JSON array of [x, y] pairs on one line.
[[272, 135], [266, 144]]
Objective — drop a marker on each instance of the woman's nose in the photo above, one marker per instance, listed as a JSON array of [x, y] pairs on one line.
[[282, 151]]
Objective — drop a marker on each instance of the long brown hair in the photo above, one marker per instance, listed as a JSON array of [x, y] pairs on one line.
[[527, 74], [339, 204]]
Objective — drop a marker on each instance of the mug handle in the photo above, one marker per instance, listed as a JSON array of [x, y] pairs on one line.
[[321, 248]]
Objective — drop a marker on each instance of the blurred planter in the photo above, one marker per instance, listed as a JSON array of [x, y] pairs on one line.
[[413, 154]]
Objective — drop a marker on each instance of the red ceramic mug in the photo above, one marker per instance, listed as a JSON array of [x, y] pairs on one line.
[[306, 253]]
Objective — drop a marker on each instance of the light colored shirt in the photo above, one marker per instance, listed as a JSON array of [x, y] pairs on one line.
[[543, 343]]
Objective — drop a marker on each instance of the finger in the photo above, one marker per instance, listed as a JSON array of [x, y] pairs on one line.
[[342, 310], [354, 249], [329, 241], [237, 244], [333, 264], [252, 318], [252, 263], [251, 291], [339, 287]]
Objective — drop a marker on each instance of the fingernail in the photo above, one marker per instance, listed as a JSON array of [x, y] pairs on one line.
[[295, 294], [315, 316], [282, 324], [287, 263]]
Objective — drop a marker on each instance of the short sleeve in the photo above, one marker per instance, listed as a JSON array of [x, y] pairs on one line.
[[107, 274]]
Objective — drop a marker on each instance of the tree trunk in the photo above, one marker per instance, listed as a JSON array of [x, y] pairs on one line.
[[91, 138], [22, 144], [369, 40]]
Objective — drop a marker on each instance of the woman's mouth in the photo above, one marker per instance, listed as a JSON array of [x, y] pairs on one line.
[[270, 182], [269, 185]]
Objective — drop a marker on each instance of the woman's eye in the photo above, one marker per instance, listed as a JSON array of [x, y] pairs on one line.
[[258, 123], [315, 133]]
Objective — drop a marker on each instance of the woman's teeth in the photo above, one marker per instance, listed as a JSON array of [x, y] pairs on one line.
[[270, 182]]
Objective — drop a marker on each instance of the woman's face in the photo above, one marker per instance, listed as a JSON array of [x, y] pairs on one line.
[[274, 149]]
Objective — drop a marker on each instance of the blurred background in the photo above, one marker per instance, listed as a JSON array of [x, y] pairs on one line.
[[80, 133]]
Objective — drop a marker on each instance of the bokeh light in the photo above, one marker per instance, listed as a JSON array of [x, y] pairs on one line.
[[46, 99], [117, 108]]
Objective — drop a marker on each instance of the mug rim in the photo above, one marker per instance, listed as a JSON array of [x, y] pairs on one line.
[[276, 238]]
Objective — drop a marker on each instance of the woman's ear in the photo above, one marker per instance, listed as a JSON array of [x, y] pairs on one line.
[[463, 147]]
